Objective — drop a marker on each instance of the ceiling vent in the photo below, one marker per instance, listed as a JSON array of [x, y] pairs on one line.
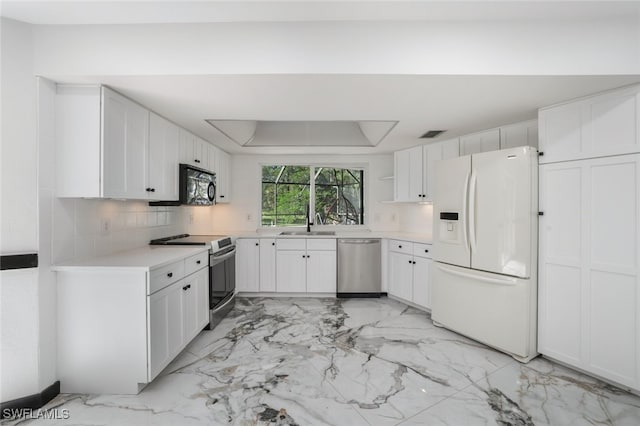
[[432, 134]]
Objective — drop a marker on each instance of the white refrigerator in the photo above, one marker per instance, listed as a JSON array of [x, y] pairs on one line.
[[485, 220]]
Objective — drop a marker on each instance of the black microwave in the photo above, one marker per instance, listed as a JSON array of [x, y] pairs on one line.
[[197, 186]]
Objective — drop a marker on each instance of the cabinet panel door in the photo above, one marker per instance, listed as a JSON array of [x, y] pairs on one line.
[[291, 271], [519, 134], [187, 148], [223, 177], [194, 294], [114, 144], [610, 123], [415, 174], [560, 293], [164, 149], [421, 288], [488, 140], [248, 265], [268, 264], [435, 152], [321, 272], [165, 327], [401, 174], [613, 290], [400, 275], [561, 133]]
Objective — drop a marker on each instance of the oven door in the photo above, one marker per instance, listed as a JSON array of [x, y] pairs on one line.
[[222, 277]]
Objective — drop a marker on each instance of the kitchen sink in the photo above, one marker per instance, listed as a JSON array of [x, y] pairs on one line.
[[308, 233]]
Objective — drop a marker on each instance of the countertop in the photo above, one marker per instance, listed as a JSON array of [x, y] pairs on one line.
[[144, 258], [405, 236]]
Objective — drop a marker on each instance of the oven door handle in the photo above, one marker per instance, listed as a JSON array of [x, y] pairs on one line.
[[217, 259]]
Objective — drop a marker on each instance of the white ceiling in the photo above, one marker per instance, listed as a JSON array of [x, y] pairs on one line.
[[458, 103], [133, 12]]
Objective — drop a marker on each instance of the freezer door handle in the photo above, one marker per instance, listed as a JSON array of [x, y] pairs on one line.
[[465, 235], [491, 280], [472, 209]]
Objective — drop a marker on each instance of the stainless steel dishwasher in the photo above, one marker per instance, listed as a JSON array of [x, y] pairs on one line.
[[359, 267]]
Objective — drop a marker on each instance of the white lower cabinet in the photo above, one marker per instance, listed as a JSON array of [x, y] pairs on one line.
[[119, 327], [589, 287], [410, 271], [256, 265], [306, 265]]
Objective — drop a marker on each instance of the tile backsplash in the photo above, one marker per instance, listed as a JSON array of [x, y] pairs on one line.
[[84, 228]]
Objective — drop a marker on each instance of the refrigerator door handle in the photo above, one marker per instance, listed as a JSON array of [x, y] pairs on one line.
[[465, 233], [472, 209], [501, 281]]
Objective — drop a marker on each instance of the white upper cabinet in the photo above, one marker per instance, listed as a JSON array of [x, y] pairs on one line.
[[193, 150], [414, 174], [488, 140], [102, 144], [597, 126], [433, 152], [223, 172], [125, 143], [519, 134], [163, 158]]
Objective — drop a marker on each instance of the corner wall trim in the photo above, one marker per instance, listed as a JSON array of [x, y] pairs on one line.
[[18, 261], [34, 401]]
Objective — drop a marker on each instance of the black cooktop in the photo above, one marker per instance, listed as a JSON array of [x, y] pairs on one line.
[[186, 240]]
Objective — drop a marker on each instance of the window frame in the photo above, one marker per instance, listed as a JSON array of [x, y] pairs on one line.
[[312, 196]]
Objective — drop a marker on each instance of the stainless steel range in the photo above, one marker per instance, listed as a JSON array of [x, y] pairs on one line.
[[222, 270]]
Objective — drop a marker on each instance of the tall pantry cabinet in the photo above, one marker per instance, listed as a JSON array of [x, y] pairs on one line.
[[589, 289]]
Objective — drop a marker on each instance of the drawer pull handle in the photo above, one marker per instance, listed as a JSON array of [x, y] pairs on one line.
[[170, 274], [257, 244], [196, 160], [186, 287], [409, 262], [198, 262], [399, 246], [426, 251]]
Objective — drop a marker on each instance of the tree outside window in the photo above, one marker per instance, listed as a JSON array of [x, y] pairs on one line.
[[334, 194]]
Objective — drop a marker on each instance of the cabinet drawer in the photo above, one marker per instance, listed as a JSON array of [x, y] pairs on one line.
[[162, 277], [422, 250], [321, 244], [291, 244], [196, 262], [400, 246]]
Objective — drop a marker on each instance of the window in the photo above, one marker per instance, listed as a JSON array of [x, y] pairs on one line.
[[335, 195]]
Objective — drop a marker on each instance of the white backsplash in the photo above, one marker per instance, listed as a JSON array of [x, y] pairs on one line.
[[84, 228], [416, 218]]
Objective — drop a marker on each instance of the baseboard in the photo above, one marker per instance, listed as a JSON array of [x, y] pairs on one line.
[[35, 401]]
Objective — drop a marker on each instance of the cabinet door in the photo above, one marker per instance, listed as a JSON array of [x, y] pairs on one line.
[[519, 134], [223, 180], [124, 145], [321, 271], [401, 174], [248, 264], [212, 159], [268, 264], [421, 285], [165, 327], [192, 150], [435, 152], [164, 150], [601, 125], [291, 271], [488, 140], [400, 275], [192, 306], [416, 180], [588, 282]]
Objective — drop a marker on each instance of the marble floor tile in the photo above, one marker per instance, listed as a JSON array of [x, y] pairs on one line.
[[324, 361]]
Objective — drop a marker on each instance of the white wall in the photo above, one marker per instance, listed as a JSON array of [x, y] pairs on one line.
[[246, 177], [531, 47], [19, 334], [416, 218]]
